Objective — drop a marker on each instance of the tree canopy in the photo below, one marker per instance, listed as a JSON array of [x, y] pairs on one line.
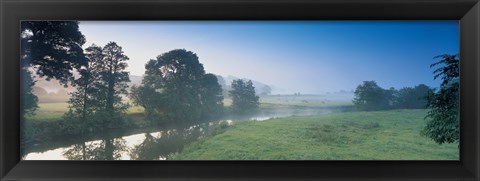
[[97, 104], [176, 87], [369, 97], [243, 96], [412, 97], [443, 122], [52, 48]]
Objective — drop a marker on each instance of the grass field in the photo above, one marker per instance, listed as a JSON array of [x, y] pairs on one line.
[[55, 111], [304, 101], [384, 135]]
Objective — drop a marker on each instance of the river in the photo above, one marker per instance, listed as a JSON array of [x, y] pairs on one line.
[[148, 143]]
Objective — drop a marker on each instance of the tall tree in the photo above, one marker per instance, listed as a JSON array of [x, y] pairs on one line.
[[211, 96], [369, 97], [176, 75], [175, 87], [443, 122], [243, 97], [113, 84], [83, 103], [50, 49]]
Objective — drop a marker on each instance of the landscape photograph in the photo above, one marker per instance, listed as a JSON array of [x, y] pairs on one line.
[[239, 90]]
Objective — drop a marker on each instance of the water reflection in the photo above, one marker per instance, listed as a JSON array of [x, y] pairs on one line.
[[107, 149], [145, 146]]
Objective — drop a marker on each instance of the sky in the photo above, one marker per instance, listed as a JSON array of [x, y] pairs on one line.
[[311, 57]]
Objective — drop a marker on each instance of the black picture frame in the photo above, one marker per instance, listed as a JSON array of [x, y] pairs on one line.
[[466, 11]]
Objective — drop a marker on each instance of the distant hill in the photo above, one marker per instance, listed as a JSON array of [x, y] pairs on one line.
[[260, 88], [135, 80], [50, 97]]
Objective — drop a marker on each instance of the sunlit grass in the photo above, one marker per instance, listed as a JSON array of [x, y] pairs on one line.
[[49, 111], [384, 135], [55, 111]]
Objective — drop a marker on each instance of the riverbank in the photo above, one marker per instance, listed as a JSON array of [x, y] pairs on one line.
[[382, 135], [48, 125], [49, 134]]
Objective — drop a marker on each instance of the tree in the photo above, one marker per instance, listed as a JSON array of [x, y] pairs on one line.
[[28, 100], [211, 96], [175, 87], [443, 121], [83, 103], [412, 98], [112, 85], [243, 97], [175, 75], [50, 49], [369, 97]]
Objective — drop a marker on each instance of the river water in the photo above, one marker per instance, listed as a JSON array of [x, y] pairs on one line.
[[147, 144]]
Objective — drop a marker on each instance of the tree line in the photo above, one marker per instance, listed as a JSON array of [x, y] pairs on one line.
[[175, 86], [371, 97], [443, 124]]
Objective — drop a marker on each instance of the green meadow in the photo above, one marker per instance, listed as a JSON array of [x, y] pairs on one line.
[[54, 111], [382, 135]]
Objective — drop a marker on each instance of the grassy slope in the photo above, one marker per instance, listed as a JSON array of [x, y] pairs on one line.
[[385, 135]]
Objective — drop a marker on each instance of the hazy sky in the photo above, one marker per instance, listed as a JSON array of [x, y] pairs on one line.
[[292, 56]]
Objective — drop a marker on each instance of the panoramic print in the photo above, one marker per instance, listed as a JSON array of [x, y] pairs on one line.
[[239, 90]]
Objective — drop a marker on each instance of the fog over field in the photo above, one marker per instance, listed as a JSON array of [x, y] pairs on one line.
[[241, 90]]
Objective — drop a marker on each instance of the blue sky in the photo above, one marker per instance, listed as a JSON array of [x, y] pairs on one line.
[[292, 56]]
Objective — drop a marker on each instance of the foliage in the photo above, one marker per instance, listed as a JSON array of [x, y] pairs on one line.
[[211, 96], [83, 103], [369, 97], [450, 70], [443, 124], [97, 104], [28, 100], [149, 99], [243, 97], [175, 87], [412, 98], [113, 78], [50, 49]]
